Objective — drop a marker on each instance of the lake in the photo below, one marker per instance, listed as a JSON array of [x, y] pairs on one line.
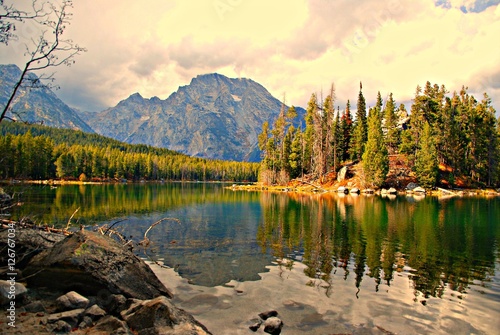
[[329, 263]]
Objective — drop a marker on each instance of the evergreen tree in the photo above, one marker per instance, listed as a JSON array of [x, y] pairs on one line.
[[360, 129], [379, 104], [426, 163], [391, 130], [375, 157], [346, 133], [295, 158], [309, 134], [336, 141]]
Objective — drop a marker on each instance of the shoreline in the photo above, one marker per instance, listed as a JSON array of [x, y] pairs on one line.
[[310, 189], [295, 186]]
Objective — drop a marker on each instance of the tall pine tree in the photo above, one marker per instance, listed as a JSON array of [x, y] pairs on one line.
[[360, 131], [375, 157], [426, 163]]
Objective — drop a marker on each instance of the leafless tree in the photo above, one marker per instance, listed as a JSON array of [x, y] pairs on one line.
[[48, 49]]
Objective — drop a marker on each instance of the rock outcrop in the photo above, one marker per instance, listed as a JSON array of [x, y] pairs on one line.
[[103, 289], [89, 262]]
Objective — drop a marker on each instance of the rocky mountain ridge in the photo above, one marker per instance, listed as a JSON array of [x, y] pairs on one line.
[[212, 117], [38, 105]]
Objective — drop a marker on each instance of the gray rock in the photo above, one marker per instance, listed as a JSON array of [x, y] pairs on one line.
[[411, 186], [254, 327], [160, 316], [273, 326], [71, 300], [89, 262], [35, 307], [111, 325], [86, 322], [268, 314], [9, 289], [95, 312], [29, 242], [60, 326], [71, 317]]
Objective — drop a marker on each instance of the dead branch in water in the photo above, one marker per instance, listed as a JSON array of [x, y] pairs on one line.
[[69, 220], [146, 241]]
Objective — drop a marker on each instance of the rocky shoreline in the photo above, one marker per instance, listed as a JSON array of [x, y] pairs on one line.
[[83, 283]]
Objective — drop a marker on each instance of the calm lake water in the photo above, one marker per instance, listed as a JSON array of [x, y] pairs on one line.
[[430, 264]]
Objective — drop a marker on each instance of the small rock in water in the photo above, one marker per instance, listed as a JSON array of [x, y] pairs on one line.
[[268, 314], [273, 326], [255, 326]]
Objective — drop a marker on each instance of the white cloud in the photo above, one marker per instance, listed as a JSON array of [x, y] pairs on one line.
[[295, 48]]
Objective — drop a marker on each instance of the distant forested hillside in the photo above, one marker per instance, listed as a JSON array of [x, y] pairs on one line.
[[40, 152]]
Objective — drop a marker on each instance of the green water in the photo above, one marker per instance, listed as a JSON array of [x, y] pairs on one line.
[[446, 248]]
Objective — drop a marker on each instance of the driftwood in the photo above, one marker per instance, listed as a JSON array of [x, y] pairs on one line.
[[446, 191], [5, 224], [314, 185]]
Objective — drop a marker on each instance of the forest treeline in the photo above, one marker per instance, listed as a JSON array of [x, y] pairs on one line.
[[39, 152], [455, 131]]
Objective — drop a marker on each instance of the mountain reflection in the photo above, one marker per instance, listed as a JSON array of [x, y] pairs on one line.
[[441, 244]]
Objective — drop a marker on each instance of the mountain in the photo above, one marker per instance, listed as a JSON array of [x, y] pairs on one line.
[[37, 105], [212, 117]]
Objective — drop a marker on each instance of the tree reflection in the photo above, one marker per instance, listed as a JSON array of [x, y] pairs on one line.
[[443, 245]]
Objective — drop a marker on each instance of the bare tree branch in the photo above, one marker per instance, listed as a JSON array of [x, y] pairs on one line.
[[9, 15], [49, 49]]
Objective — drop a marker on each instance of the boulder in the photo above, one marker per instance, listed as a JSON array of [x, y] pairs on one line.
[[90, 262], [8, 288], [341, 176], [343, 189], [94, 312], [71, 317], [160, 316], [71, 300], [273, 325], [418, 190], [29, 242], [110, 325], [411, 186], [392, 190], [59, 326]]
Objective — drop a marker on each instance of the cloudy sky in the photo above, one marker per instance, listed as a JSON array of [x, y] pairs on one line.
[[292, 47]]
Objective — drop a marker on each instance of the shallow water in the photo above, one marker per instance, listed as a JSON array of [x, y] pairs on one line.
[[349, 264]]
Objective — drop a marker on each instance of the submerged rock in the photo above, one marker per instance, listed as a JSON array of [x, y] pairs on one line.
[[273, 325]]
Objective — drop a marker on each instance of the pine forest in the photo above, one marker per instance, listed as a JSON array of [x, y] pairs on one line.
[[41, 153], [454, 137]]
